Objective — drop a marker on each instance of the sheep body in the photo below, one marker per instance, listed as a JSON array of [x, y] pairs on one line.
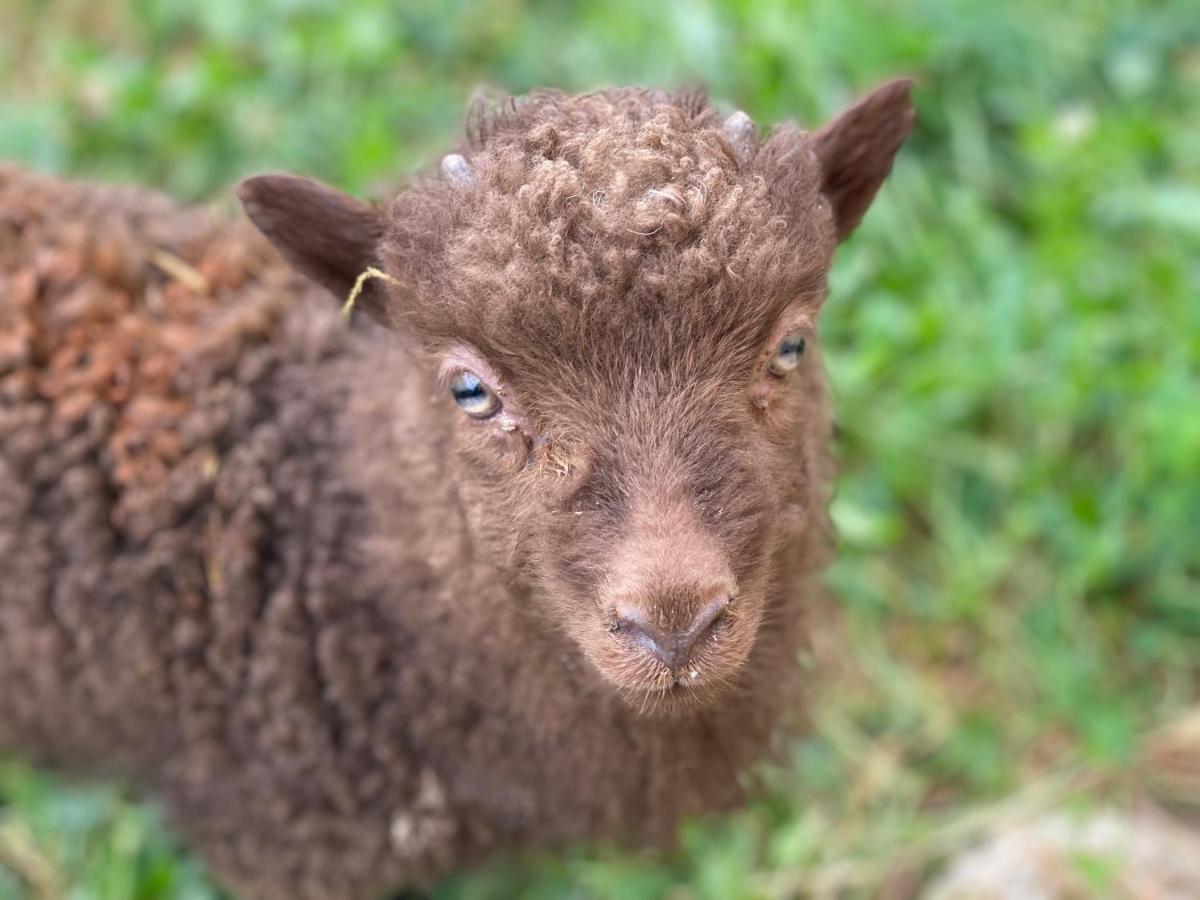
[[193, 596], [255, 562]]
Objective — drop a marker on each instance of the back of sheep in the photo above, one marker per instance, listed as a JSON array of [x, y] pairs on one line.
[[167, 537]]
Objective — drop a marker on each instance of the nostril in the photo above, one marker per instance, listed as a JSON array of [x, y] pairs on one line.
[[637, 627], [672, 648], [707, 618]]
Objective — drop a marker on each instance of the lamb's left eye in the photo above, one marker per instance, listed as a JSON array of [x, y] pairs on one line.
[[787, 355], [474, 397]]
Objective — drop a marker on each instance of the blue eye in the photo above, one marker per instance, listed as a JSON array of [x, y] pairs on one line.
[[474, 397], [787, 355]]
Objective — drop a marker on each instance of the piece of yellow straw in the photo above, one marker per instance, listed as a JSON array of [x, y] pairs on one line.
[[367, 274]]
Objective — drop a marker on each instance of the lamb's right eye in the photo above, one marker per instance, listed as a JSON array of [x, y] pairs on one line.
[[474, 397]]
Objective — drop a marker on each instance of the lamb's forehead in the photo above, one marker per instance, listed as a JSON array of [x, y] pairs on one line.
[[611, 205]]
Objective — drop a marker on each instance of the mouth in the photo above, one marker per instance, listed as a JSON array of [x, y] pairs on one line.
[[679, 696], [691, 687]]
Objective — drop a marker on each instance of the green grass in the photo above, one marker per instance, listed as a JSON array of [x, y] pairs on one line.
[[1013, 337]]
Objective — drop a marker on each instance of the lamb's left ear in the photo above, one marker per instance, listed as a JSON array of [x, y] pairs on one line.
[[329, 236], [857, 148]]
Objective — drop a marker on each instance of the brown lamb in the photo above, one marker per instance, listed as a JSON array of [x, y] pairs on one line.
[[518, 555]]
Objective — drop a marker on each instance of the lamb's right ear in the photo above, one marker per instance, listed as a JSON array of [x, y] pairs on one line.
[[329, 236]]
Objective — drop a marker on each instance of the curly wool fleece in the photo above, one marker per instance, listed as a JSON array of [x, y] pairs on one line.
[[256, 563]]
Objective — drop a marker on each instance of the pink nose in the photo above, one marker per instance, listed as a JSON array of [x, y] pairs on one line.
[[672, 647]]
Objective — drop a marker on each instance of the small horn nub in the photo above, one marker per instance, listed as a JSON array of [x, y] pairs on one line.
[[457, 171], [739, 128]]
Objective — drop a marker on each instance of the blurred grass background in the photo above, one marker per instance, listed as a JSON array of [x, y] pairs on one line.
[[1013, 338]]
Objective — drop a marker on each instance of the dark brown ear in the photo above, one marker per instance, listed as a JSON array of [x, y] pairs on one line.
[[327, 235], [857, 148]]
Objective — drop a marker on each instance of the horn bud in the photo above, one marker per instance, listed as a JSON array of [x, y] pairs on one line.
[[457, 171], [740, 130]]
